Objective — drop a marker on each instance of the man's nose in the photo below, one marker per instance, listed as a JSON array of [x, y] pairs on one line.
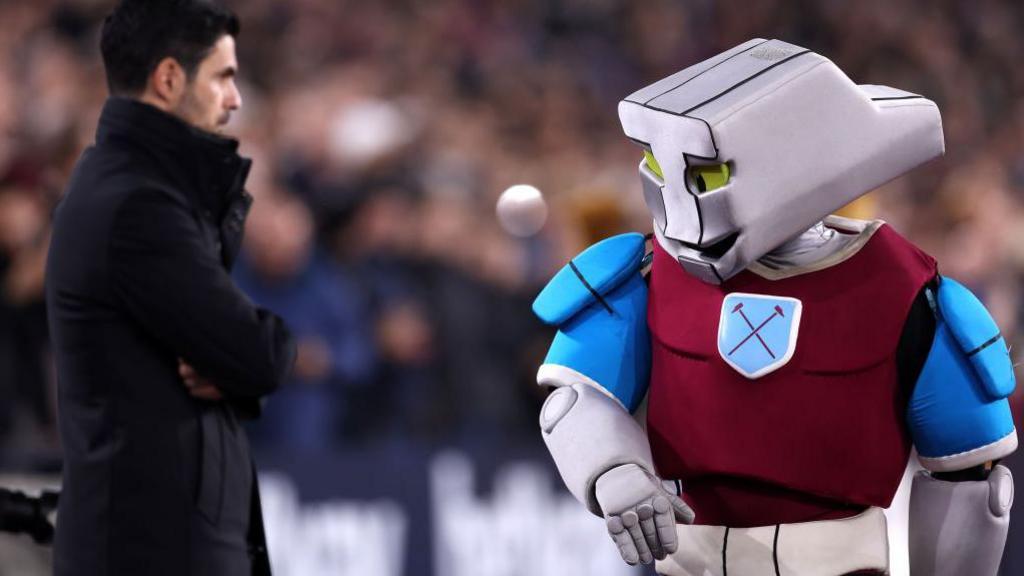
[[234, 98]]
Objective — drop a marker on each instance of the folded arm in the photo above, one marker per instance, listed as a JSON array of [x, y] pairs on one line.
[[174, 285]]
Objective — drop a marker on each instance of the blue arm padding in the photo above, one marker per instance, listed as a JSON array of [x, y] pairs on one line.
[[605, 339], [603, 266], [978, 337], [959, 402]]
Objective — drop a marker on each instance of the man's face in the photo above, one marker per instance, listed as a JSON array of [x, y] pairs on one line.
[[211, 95]]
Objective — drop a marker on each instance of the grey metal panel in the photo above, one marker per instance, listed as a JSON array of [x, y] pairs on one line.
[[667, 84], [876, 92], [729, 74], [714, 108]]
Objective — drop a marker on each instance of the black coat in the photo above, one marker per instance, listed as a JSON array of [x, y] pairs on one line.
[[155, 481]]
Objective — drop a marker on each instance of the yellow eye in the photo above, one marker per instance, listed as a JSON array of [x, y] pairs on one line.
[[652, 163], [708, 178]]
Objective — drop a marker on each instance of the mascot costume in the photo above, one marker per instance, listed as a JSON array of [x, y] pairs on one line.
[[739, 393]]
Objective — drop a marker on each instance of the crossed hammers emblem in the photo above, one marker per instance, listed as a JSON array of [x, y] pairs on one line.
[[754, 331]]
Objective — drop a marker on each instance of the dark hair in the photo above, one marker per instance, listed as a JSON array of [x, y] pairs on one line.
[[138, 34]]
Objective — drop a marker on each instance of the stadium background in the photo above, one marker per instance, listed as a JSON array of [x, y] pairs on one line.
[[382, 133]]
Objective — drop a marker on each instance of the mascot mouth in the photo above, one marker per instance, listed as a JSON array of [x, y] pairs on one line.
[[718, 249]]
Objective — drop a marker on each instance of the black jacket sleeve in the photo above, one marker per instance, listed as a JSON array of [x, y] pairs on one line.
[[173, 284]]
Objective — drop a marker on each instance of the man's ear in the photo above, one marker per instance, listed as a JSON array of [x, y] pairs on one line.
[[166, 85]]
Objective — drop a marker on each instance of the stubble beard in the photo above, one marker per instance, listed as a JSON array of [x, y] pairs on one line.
[[191, 110]]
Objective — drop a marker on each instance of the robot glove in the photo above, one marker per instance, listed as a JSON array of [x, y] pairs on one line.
[[641, 515]]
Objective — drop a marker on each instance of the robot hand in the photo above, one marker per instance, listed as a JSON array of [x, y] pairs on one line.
[[640, 513]]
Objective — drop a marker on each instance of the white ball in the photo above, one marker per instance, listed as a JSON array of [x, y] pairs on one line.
[[522, 210]]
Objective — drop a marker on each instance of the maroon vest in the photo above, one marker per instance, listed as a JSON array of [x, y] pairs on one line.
[[825, 436]]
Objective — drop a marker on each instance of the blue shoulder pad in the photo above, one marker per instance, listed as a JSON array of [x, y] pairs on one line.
[[958, 414], [978, 337], [598, 269], [604, 342]]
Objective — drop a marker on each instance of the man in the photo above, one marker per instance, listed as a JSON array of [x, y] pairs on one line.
[[158, 353]]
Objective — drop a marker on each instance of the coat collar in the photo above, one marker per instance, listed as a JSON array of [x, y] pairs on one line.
[[207, 167]]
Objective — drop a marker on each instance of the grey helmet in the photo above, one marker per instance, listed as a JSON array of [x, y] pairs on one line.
[[753, 146]]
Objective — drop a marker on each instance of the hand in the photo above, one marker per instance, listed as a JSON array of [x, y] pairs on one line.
[[641, 515], [197, 386]]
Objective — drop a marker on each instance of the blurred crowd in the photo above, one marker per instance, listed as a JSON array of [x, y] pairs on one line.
[[382, 134]]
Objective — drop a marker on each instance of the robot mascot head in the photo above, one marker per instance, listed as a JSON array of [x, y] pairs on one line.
[[750, 148]]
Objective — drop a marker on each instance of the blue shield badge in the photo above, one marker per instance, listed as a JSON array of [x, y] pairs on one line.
[[757, 333]]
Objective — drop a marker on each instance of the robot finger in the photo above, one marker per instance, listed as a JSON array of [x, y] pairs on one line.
[[632, 522], [623, 540], [683, 512], [665, 523], [646, 514]]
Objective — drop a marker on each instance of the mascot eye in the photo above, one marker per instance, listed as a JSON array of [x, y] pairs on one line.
[[652, 164], [708, 178]]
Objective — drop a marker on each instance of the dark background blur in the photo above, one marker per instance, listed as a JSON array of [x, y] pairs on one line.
[[382, 134]]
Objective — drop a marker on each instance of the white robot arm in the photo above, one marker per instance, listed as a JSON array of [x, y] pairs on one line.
[[598, 366], [961, 423]]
